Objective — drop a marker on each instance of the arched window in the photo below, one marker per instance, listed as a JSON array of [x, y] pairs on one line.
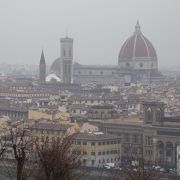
[[158, 114], [64, 52], [149, 113]]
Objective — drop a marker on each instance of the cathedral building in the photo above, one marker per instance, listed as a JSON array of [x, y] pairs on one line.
[[137, 63]]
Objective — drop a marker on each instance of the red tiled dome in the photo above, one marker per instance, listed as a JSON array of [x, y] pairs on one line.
[[137, 46]]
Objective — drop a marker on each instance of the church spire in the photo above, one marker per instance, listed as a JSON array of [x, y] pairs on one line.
[[42, 60], [42, 69], [137, 27]]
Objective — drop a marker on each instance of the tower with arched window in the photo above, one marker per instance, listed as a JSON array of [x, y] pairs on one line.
[[153, 112]]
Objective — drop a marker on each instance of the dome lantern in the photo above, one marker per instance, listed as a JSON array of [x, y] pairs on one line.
[[137, 28]]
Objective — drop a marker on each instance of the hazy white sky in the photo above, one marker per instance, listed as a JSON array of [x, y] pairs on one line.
[[99, 28]]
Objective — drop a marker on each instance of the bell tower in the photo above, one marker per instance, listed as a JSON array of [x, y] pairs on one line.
[[66, 59], [42, 69]]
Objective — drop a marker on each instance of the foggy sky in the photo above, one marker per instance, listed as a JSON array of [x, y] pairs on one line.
[[99, 28]]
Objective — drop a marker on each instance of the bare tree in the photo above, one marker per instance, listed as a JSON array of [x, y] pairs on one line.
[[57, 160], [21, 147], [137, 167], [2, 145]]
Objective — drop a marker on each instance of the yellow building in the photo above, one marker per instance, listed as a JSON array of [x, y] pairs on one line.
[[35, 115], [97, 148], [50, 132]]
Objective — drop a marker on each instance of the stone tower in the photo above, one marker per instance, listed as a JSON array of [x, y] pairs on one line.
[[153, 112], [66, 59], [42, 69]]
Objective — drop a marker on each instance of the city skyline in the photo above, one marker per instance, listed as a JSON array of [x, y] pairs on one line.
[[99, 29]]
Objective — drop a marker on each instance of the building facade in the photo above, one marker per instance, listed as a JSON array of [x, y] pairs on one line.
[[97, 148], [156, 135]]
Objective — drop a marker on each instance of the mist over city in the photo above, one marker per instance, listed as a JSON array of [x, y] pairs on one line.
[[99, 29], [89, 90]]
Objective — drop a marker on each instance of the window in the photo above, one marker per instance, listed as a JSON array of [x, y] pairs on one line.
[[148, 152], [99, 143], [115, 151], [92, 162], [168, 153], [148, 141], [84, 143], [64, 52], [79, 72], [149, 115], [84, 153], [90, 72], [101, 72], [158, 114], [79, 142], [92, 143], [141, 65], [127, 64], [134, 138], [84, 161], [93, 153], [126, 137], [99, 153]]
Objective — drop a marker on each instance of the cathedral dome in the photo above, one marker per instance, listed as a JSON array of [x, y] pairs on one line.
[[137, 46], [56, 67]]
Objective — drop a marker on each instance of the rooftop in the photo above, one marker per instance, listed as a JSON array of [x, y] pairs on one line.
[[98, 136]]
